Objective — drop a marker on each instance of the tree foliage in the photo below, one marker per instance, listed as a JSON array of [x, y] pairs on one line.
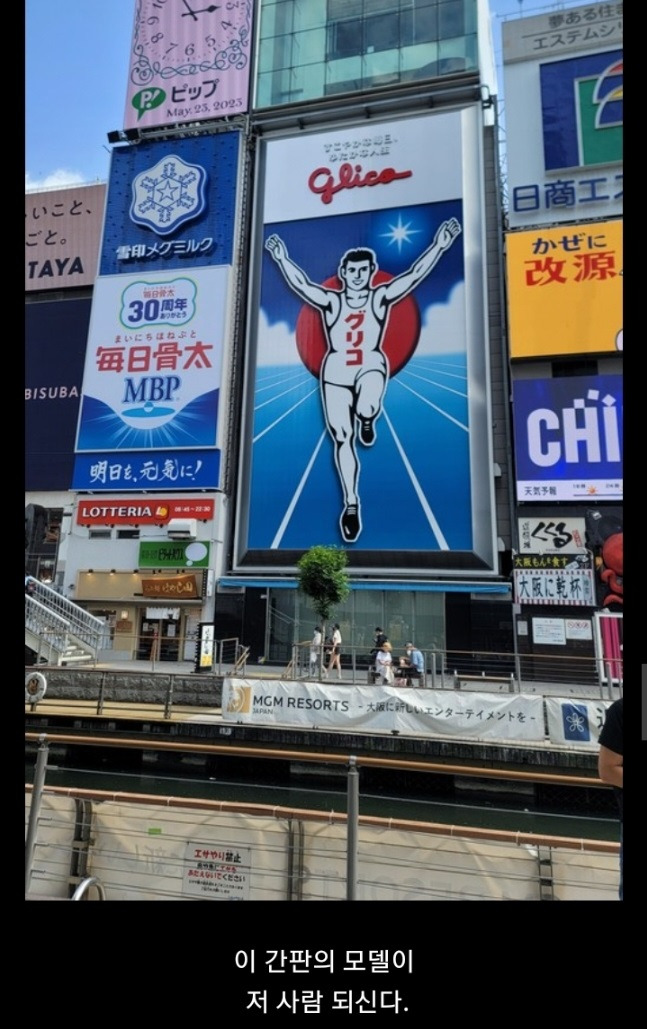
[[322, 577]]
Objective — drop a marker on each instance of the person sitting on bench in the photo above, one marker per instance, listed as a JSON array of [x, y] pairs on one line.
[[413, 665]]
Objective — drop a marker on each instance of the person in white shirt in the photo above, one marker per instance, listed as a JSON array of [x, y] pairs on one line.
[[384, 664], [335, 657], [315, 650]]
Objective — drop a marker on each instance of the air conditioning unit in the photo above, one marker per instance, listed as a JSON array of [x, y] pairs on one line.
[[182, 528]]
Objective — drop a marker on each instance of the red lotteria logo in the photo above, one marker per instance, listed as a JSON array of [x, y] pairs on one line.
[[322, 180]]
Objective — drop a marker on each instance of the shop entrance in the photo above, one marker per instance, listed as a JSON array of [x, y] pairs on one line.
[[159, 634]]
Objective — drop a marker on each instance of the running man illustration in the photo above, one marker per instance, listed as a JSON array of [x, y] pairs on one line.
[[354, 373]]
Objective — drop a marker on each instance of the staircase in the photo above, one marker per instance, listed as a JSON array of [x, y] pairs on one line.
[[58, 631]]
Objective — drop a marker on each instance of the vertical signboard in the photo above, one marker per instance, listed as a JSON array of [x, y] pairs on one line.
[[188, 62], [151, 385], [149, 413], [171, 204], [565, 290], [568, 438], [53, 376], [563, 74], [368, 397]]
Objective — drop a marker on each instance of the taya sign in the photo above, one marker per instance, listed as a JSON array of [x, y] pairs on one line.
[[62, 236], [141, 512]]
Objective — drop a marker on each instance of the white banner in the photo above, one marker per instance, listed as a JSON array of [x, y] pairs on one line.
[[577, 722], [383, 709]]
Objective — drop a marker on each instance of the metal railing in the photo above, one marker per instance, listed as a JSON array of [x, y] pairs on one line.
[[455, 669], [298, 854], [57, 623]]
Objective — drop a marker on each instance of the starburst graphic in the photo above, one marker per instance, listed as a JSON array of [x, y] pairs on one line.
[[400, 233], [168, 194]]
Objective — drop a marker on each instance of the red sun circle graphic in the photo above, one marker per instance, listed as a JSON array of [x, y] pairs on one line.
[[399, 340]]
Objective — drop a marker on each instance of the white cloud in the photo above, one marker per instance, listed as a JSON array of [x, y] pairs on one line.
[[443, 326], [442, 331], [276, 344], [56, 179]]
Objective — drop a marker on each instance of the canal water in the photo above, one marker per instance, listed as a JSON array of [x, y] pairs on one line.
[[567, 814]]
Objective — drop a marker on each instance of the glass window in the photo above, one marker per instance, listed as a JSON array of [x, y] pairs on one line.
[[404, 615], [344, 76], [380, 69], [368, 612], [382, 32], [344, 39], [451, 20], [420, 62], [314, 42]]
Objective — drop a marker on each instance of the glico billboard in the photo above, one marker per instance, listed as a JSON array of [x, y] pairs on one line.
[[367, 417]]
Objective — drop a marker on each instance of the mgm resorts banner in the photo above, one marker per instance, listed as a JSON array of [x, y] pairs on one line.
[[383, 709]]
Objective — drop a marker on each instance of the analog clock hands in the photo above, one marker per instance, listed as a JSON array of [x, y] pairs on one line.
[[200, 10]]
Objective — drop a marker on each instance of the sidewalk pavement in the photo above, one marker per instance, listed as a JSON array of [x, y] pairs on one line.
[[583, 691]]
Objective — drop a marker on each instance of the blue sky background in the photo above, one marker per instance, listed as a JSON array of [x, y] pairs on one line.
[[76, 67]]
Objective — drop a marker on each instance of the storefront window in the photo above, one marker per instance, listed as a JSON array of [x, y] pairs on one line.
[[403, 614]]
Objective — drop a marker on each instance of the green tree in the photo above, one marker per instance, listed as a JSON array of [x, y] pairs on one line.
[[322, 577]]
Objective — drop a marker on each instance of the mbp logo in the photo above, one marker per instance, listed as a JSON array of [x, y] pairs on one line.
[[582, 110], [240, 700]]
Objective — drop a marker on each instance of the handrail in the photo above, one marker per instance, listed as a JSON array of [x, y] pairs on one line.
[[341, 818], [241, 660], [84, 886], [58, 622], [316, 757]]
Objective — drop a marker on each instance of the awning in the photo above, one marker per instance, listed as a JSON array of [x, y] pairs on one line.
[[398, 585]]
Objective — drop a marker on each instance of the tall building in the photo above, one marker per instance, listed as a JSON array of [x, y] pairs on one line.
[[563, 79]]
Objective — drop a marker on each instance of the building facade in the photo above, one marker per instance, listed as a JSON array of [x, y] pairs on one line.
[[297, 336]]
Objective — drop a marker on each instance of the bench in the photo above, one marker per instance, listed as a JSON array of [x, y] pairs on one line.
[[500, 683]]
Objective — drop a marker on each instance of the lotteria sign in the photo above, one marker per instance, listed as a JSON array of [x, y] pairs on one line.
[[141, 512]]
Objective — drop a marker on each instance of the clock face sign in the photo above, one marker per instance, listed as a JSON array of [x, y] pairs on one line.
[[189, 61]]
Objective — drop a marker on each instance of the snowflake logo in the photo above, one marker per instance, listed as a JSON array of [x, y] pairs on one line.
[[576, 723], [168, 194]]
